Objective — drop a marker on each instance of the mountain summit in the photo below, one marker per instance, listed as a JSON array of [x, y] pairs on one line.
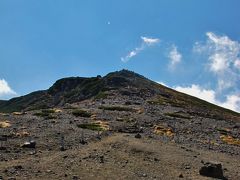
[[74, 89], [126, 83]]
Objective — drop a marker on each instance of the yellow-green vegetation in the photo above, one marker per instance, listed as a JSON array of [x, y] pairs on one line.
[[101, 95], [94, 117], [177, 99], [4, 114], [47, 113], [230, 140], [5, 124], [227, 138], [69, 106], [140, 110], [103, 124], [213, 142], [162, 130], [18, 113], [178, 115], [207, 142], [57, 110], [81, 113], [161, 100], [22, 134], [157, 102], [224, 131], [126, 119], [95, 126], [117, 108]]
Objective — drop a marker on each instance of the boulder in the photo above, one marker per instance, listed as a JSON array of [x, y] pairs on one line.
[[29, 144], [210, 169], [138, 136]]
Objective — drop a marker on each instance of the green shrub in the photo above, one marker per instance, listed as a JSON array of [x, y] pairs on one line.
[[178, 115], [46, 113], [91, 126], [156, 102], [41, 114], [164, 101], [51, 116], [81, 113], [116, 108], [224, 131], [101, 95], [126, 119]]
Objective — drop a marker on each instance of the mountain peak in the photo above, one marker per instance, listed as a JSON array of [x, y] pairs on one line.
[[125, 72], [123, 84]]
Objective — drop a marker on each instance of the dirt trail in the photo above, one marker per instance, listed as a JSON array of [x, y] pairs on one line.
[[120, 156]]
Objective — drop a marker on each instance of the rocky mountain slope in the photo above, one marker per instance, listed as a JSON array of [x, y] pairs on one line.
[[75, 89], [120, 126]]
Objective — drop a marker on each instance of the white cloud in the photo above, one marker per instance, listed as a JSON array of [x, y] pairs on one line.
[[223, 59], [237, 64], [146, 42], [150, 41], [162, 83], [174, 56], [5, 89], [231, 101], [132, 54], [224, 52], [197, 91], [221, 56]]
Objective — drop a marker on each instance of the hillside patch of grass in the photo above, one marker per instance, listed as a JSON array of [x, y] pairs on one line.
[[230, 140], [165, 131], [81, 113], [160, 100], [178, 115], [91, 126], [116, 108], [101, 95], [126, 119], [4, 114], [18, 113], [47, 113], [95, 126], [224, 131], [5, 124]]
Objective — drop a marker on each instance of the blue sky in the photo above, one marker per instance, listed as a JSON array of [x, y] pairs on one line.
[[192, 46]]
